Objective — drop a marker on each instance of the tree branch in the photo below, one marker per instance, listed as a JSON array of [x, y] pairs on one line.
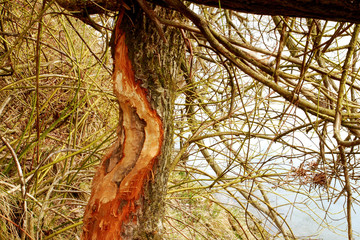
[[345, 11]]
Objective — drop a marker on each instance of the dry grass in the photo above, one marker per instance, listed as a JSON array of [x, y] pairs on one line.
[[58, 120]]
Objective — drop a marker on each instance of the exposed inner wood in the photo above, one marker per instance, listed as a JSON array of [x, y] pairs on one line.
[[127, 167]]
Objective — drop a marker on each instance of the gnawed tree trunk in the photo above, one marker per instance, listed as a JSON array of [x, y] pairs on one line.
[[129, 187]]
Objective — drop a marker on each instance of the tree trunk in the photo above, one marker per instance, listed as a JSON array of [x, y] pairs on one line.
[[128, 189]]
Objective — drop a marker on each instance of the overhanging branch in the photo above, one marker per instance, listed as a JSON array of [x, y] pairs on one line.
[[345, 11], [334, 10]]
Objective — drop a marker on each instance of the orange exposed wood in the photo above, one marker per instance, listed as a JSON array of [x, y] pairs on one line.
[[119, 182]]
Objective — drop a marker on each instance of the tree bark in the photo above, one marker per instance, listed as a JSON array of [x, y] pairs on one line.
[[335, 10], [128, 189]]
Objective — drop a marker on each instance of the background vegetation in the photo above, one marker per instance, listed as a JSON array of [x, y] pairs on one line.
[[57, 117]]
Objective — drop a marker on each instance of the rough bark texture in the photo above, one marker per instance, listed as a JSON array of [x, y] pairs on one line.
[[91, 6], [335, 10], [128, 190]]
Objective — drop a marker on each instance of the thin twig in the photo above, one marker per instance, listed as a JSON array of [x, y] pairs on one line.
[[12, 222], [22, 182]]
